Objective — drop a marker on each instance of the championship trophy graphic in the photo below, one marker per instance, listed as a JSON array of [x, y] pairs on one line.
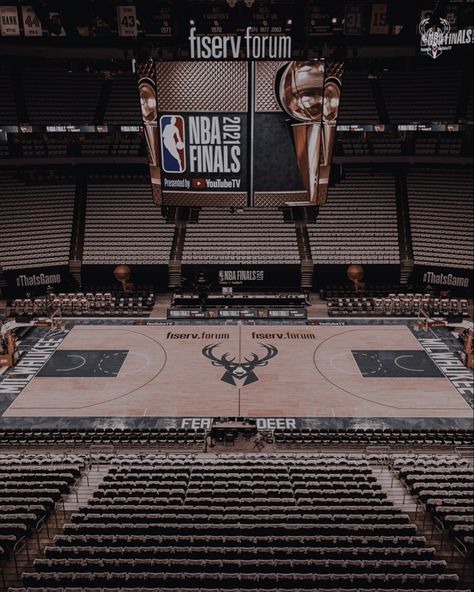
[[147, 93], [309, 92], [331, 100]]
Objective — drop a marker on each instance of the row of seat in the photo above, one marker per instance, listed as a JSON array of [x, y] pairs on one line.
[[123, 225], [445, 489], [225, 589], [85, 304], [295, 542], [239, 566], [29, 493], [371, 290], [358, 224], [441, 227], [121, 436], [309, 551], [257, 235], [287, 438], [297, 438], [288, 581], [39, 214], [74, 145], [421, 144], [279, 527], [407, 305]]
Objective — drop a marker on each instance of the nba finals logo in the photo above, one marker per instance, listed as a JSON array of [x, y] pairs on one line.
[[172, 135]]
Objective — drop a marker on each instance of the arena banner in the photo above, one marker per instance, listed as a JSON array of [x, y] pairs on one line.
[[378, 20], [127, 25], [9, 24], [235, 276], [246, 276], [454, 280], [147, 93], [439, 35], [158, 18], [36, 280], [356, 17], [31, 24], [55, 18], [321, 19]]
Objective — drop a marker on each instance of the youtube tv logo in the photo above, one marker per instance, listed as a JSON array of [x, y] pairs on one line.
[[198, 183]]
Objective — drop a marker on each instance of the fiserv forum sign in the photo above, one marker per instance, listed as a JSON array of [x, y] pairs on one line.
[[252, 47]]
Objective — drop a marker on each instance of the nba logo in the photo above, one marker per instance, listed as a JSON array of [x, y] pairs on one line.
[[173, 157]]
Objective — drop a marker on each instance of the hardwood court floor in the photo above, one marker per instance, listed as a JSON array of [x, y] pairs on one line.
[[310, 371]]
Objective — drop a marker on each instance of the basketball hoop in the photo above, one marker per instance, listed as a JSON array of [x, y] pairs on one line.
[[423, 320]]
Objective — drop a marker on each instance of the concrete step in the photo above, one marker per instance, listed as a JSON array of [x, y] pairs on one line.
[[86, 487], [394, 490]]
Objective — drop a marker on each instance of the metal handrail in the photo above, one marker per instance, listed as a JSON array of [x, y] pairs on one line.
[[21, 544], [39, 525]]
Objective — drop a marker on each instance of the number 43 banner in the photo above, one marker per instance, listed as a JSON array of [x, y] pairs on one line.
[[127, 21]]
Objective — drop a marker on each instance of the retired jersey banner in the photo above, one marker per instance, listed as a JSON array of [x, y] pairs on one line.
[[31, 23], [9, 25], [355, 18], [127, 21], [378, 19]]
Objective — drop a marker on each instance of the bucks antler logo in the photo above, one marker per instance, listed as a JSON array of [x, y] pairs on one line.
[[239, 370], [434, 37]]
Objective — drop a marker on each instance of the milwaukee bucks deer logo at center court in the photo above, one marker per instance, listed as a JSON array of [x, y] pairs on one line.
[[239, 371]]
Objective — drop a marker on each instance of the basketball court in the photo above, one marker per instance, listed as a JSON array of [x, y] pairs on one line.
[[356, 371]]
